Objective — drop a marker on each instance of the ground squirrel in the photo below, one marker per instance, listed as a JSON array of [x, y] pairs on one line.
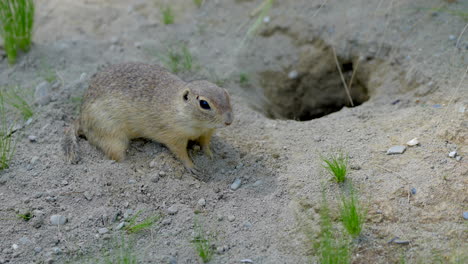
[[136, 100]]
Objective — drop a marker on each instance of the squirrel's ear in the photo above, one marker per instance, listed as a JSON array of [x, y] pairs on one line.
[[185, 94]]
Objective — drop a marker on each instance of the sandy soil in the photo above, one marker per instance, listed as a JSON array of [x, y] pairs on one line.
[[410, 59]]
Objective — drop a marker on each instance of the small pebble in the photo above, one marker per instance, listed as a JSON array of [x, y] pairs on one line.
[[14, 246], [24, 240], [413, 191], [465, 215], [166, 221], [88, 196], [172, 210], [153, 164], [396, 150], [220, 250], [452, 37], [266, 19], [458, 158], [246, 261], [231, 218], [103, 230], [34, 159], [236, 184], [56, 250], [58, 220], [42, 94], [452, 154], [413, 142], [37, 249], [293, 74], [120, 226], [162, 173], [32, 138], [202, 202]]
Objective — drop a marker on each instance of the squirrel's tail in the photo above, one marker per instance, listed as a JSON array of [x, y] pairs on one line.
[[70, 143]]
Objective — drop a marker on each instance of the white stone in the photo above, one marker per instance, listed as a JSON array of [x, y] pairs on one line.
[[413, 142]]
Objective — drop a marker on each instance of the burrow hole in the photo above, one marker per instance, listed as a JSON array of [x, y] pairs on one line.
[[313, 87]]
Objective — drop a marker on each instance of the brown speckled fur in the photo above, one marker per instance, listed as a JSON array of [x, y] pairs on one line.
[[134, 100]]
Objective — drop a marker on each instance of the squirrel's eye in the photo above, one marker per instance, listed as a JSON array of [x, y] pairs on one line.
[[204, 104]]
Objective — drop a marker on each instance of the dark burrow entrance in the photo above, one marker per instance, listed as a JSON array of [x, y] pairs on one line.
[[313, 87]]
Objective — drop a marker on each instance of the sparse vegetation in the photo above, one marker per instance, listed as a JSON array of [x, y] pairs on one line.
[[177, 58], [198, 3], [16, 98], [168, 15], [134, 227], [26, 216], [47, 72], [331, 248], [352, 213], [7, 144], [202, 243], [337, 166], [243, 79], [119, 252], [16, 24]]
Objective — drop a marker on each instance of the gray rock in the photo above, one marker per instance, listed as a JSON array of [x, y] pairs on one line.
[[34, 160], [32, 138], [452, 154], [458, 158], [25, 240], [452, 37], [38, 218], [231, 218], [220, 250], [103, 230], [127, 213], [236, 184], [465, 215], [120, 226], [153, 164], [202, 202], [58, 220], [166, 221], [413, 191], [172, 260], [42, 94], [293, 74], [37, 249], [172, 210], [396, 150], [56, 250], [257, 183], [162, 173], [88, 196]]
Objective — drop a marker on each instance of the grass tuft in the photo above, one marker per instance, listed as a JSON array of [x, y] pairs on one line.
[[15, 97], [176, 59], [331, 249], [243, 79], [16, 24], [168, 15], [26, 217], [134, 227], [352, 214], [118, 252], [202, 243], [7, 144], [198, 3], [337, 166]]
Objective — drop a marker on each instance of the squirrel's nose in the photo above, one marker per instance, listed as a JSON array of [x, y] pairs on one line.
[[228, 119]]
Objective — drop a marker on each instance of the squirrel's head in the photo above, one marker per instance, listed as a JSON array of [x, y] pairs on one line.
[[208, 104]]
